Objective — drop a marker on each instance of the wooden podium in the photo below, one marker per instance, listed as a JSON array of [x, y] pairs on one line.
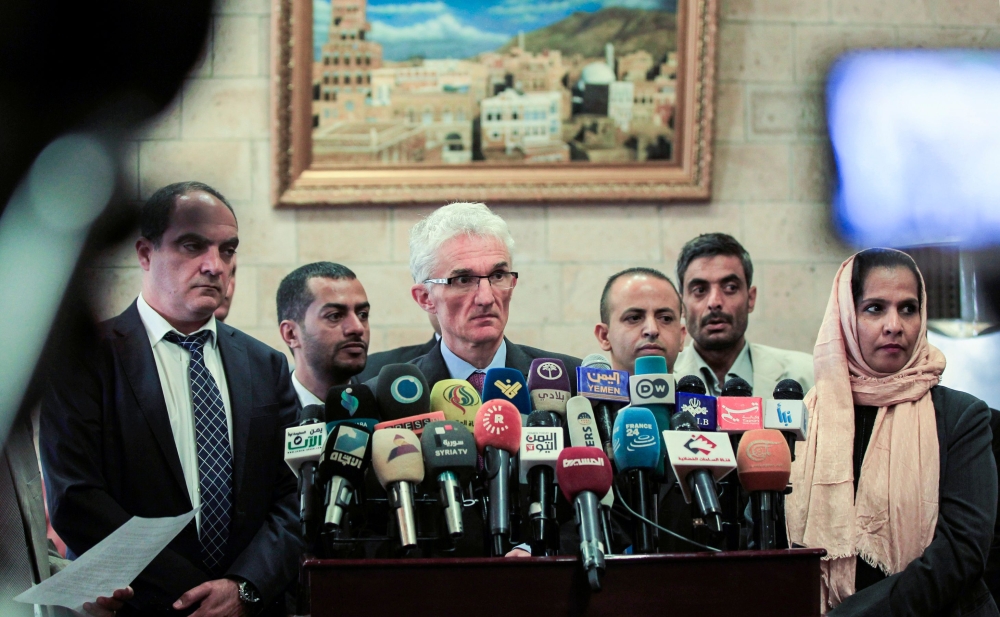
[[729, 584]]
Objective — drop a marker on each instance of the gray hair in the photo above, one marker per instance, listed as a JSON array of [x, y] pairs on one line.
[[447, 222]]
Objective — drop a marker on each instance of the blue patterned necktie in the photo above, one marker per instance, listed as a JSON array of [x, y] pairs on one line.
[[215, 458]]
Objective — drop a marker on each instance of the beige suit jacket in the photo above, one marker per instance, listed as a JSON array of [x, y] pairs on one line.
[[770, 365]]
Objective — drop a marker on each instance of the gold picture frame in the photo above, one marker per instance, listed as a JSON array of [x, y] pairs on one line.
[[298, 182]]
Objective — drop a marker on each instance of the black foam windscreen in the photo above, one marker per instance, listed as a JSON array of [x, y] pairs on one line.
[[310, 414], [737, 386], [448, 446], [683, 421], [351, 401], [788, 390], [402, 391], [540, 419], [692, 384]]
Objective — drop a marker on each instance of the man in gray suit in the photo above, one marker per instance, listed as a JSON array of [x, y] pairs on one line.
[[716, 278]]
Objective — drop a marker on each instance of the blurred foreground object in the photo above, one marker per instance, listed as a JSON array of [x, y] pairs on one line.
[[916, 139]]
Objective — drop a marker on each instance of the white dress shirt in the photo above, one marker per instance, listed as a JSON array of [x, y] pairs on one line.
[[172, 366], [742, 367], [305, 396]]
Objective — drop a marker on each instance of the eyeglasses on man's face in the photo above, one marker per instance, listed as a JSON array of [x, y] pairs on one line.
[[468, 282]]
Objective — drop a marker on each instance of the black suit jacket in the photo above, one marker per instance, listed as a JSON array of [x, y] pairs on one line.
[[108, 453], [399, 355], [948, 578], [518, 357]]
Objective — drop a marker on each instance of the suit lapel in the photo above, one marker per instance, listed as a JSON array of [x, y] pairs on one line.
[[132, 346], [767, 371], [236, 364], [517, 359], [432, 366]]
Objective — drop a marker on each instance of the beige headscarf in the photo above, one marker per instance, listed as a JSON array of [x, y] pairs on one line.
[[892, 520]]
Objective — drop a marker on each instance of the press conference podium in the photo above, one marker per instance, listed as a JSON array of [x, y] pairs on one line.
[[782, 583]]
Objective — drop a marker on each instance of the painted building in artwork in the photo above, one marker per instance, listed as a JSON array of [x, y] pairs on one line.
[[523, 126], [386, 143], [342, 77]]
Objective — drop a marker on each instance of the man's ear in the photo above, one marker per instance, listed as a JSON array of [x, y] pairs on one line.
[[290, 333], [423, 298], [601, 334], [143, 250], [751, 299]]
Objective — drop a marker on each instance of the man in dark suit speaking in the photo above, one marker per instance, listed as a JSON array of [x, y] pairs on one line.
[[460, 259], [173, 410]]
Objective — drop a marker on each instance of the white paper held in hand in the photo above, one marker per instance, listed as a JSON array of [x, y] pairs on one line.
[[113, 563]]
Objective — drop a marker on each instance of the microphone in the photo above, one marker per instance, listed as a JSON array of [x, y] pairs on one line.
[[541, 443], [787, 413], [449, 456], [604, 387], [581, 423], [498, 436], [698, 460], [399, 466], [303, 449], [402, 391], [693, 397], [764, 464], [414, 423], [738, 409], [507, 384], [458, 400], [584, 475], [652, 387], [346, 457], [637, 454], [354, 403], [548, 385]]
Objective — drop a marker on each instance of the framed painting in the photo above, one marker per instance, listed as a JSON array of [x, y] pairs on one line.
[[383, 102]]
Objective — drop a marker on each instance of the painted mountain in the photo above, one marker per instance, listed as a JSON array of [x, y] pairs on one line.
[[586, 33]]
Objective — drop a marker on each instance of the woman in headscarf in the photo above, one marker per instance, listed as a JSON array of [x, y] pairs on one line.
[[896, 479]]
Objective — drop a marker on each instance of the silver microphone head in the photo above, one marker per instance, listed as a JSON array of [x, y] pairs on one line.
[[596, 360]]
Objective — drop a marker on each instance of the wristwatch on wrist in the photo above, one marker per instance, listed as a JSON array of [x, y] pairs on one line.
[[248, 593]]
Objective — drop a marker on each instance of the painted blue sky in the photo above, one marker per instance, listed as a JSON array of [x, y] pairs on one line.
[[457, 29]]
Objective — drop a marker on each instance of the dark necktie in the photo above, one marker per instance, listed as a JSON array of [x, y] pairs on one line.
[[477, 380], [215, 457]]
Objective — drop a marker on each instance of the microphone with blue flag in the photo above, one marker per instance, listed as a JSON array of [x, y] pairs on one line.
[[508, 384], [636, 442]]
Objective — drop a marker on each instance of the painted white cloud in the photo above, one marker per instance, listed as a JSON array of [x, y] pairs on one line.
[[519, 7], [443, 36], [442, 28], [407, 9]]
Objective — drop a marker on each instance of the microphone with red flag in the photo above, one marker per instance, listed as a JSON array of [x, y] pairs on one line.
[[584, 475], [764, 464], [498, 437]]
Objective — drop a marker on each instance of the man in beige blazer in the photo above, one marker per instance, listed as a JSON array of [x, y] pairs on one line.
[[716, 276]]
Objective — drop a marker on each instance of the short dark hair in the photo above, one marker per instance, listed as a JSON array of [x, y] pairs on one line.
[[869, 259], [710, 245], [154, 219], [606, 309], [294, 296]]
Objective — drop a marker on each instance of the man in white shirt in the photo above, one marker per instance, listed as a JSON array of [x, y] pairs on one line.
[[323, 317], [171, 411], [716, 278]]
